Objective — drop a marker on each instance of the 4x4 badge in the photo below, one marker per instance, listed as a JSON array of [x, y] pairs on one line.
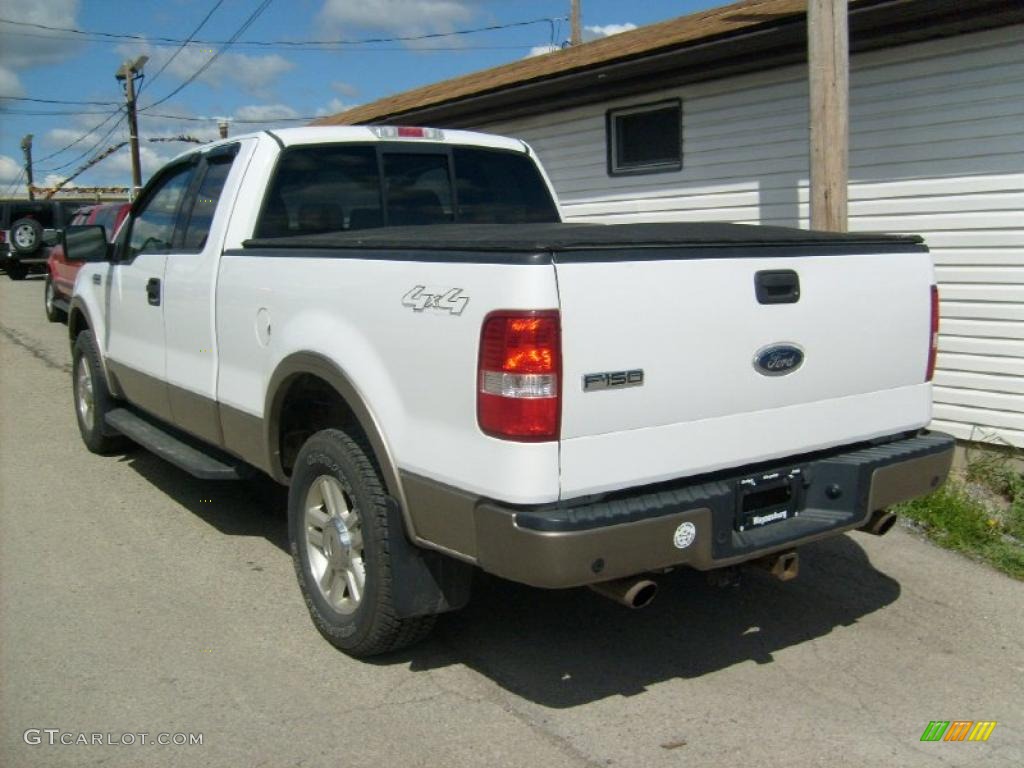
[[450, 301]]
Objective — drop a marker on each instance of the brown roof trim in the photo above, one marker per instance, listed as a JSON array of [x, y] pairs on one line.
[[743, 36]]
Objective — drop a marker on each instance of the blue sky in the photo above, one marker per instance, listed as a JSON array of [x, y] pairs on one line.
[[247, 82]]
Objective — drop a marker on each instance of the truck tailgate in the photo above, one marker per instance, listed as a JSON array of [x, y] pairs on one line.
[[692, 322]]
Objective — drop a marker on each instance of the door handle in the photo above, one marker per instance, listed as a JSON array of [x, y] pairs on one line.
[[153, 291]]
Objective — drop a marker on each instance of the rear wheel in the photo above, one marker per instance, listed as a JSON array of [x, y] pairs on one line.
[[53, 314], [338, 529], [16, 271]]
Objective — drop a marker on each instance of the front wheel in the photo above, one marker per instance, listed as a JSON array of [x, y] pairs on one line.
[[92, 397], [53, 314], [338, 530]]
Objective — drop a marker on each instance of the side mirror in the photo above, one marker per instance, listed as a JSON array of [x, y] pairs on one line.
[[86, 244], [51, 237]]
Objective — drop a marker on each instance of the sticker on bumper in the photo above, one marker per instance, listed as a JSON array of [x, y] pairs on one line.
[[684, 536]]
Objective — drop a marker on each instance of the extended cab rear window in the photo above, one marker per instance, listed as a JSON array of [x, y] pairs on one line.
[[336, 188]]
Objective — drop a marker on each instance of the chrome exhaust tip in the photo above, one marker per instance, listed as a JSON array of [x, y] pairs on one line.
[[631, 592], [881, 522]]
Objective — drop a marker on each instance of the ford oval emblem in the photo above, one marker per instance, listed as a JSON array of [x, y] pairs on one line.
[[778, 359]]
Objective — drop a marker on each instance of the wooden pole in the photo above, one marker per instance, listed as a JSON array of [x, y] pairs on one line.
[[577, 32], [828, 59], [26, 147]]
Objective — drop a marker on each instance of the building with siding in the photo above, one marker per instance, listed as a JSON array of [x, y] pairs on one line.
[[705, 118]]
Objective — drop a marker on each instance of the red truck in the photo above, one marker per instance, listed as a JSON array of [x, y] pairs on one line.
[[61, 271]]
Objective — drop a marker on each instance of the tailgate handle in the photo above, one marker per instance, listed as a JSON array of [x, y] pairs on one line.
[[777, 286]]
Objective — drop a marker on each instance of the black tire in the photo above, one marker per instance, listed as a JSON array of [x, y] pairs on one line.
[[96, 434], [53, 314], [26, 236], [370, 625], [16, 271]]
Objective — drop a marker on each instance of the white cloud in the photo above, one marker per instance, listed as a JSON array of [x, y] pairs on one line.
[[589, 33], [10, 169], [404, 17], [607, 30], [540, 50], [53, 179], [266, 113], [254, 74], [334, 107], [10, 85], [26, 47], [344, 89]]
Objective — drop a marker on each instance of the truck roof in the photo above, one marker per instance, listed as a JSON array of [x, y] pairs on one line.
[[331, 134]]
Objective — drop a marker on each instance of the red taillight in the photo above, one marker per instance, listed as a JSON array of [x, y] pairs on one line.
[[934, 339], [518, 388]]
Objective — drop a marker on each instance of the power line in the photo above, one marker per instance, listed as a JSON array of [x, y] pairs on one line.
[[159, 40], [227, 44], [58, 101], [81, 138], [233, 119], [9, 111], [183, 45], [15, 184], [86, 152], [298, 47]]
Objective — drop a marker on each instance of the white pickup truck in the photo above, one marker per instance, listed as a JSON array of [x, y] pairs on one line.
[[395, 322]]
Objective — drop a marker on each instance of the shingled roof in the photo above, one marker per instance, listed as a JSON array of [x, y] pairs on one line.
[[776, 27]]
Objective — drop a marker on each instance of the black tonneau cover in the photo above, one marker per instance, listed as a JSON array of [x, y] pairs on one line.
[[555, 238]]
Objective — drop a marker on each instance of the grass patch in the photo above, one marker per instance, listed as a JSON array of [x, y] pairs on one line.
[[978, 511]]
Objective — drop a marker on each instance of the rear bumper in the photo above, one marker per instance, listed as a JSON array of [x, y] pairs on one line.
[[695, 522]]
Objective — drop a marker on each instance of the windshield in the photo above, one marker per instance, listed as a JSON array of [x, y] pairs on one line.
[[335, 188]]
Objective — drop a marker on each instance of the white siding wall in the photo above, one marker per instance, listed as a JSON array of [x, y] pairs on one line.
[[937, 148]]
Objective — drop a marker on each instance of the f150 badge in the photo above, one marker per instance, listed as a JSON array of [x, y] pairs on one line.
[[778, 359], [419, 300], [613, 380]]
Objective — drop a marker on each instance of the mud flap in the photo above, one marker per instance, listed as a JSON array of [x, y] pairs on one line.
[[424, 582]]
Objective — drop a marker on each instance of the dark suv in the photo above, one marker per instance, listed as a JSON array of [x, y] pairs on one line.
[[22, 227]]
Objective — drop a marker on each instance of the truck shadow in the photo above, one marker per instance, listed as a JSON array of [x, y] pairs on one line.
[[565, 648], [254, 507]]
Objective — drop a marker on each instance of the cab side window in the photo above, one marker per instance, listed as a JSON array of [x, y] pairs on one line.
[[153, 227], [205, 203]]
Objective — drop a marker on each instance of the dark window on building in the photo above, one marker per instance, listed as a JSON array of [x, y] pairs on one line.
[[647, 138]]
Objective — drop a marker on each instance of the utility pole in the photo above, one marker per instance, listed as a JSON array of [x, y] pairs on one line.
[[828, 62], [129, 72], [577, 32], [26, 147], [222, 126]]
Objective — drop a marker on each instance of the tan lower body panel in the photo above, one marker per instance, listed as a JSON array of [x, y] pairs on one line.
[[487, 532], [908, 480]]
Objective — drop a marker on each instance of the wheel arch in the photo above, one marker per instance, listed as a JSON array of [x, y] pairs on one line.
[[79, 320], [300, 370]]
